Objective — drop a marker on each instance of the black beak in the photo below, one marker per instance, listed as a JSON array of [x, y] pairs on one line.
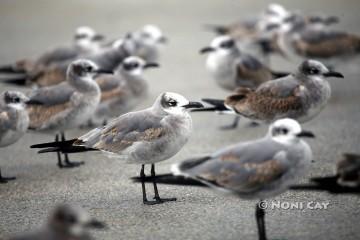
[[104, 71], [163, 40], [96, 224], [151, 65], [306, 134], [33, 102], [206, 50], [98, 37], [333, 74], [193, 105]]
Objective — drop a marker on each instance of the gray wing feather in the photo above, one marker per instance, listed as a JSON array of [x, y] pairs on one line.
[[282, 87], [53, 95]]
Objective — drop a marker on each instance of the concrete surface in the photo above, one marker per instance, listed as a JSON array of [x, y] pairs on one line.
[[102, 185]]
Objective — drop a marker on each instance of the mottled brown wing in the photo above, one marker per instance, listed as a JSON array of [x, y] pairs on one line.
[[342, 45], [48, 76], [111, 87], [40, 114], [244, 177], [257, 76]]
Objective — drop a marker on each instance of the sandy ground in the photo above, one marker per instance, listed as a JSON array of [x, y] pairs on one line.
[[103, 186]]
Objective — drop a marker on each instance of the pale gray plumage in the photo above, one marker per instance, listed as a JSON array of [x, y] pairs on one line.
[[256, 169], [122, 91]]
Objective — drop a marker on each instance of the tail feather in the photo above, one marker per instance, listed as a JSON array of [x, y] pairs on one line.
[[277, 74], [182, 168], [63, 146], [18, 81], [218, 29], [169, 179], [217, 105]]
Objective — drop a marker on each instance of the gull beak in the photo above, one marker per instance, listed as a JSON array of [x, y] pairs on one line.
[[333, 74], [151, 65], [206, 50], [104, 71], [96, 224], [305, 133], [193, 105], [98, 37]]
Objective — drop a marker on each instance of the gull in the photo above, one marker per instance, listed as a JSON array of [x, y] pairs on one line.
[[86, 41], [122, 91], [65, 222], [257, 169], [66, 105], [295, 38], [144, 137], [149, 40], [301, 95], [231, 68], [14, 120], [109, 58]]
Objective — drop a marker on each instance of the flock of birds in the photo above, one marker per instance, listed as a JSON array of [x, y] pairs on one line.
[[97, 82]]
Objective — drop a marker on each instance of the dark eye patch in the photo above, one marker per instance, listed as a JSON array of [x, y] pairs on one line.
[[172, 103], [280, 131], [313, 71], [131, 65], [227, 44], [80, 36]]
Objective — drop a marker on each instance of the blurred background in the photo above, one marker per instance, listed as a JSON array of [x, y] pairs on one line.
[[102, 185]]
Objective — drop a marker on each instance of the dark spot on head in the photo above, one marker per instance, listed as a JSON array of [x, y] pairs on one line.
[[279, 131], [227, 44], [167, 102], [128, 66], [11, 97], [308, 68]]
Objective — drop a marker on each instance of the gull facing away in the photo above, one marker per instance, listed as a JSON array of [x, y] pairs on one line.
[[14, 120], [257, 169], [122, 91], [86, 41], [144, 137], [66, 105], [64, 223], [301, 96]]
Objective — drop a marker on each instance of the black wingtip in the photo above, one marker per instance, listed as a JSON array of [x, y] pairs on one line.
[[218, 29], [169, 179], [19, 81]]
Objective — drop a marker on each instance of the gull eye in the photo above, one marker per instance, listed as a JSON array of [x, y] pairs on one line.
[[135, 65], [16, 99], [89, 68], [172, 103], [227, 44], [71, 219], [284, 131], [314, 71]]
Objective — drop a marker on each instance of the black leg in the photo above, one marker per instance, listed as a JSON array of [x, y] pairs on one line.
[[260, 220], [5, 179], [69, 164], [156, 192], [233, 125], [142, 177], [60, 165]]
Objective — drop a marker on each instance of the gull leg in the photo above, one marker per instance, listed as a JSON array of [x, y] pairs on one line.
[[260, 220], [60, 165], [142, 177], [69, 164], [233, 125], [157, 197], [5, 179]]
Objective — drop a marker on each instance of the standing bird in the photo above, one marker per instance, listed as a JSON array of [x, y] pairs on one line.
[[149, 40], [109, 58], [122, 91], [256, 169], [65, 222], [86, 41], [301, 95], [231, 68], [66, 105], [14, 120], [144, 137]]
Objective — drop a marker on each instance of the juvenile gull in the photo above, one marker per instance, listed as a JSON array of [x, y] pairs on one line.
[[64, 223], [301, 95], [86, 41], [122, 91], [66, 105], [14, 120], [144, 137], [257, 169]]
